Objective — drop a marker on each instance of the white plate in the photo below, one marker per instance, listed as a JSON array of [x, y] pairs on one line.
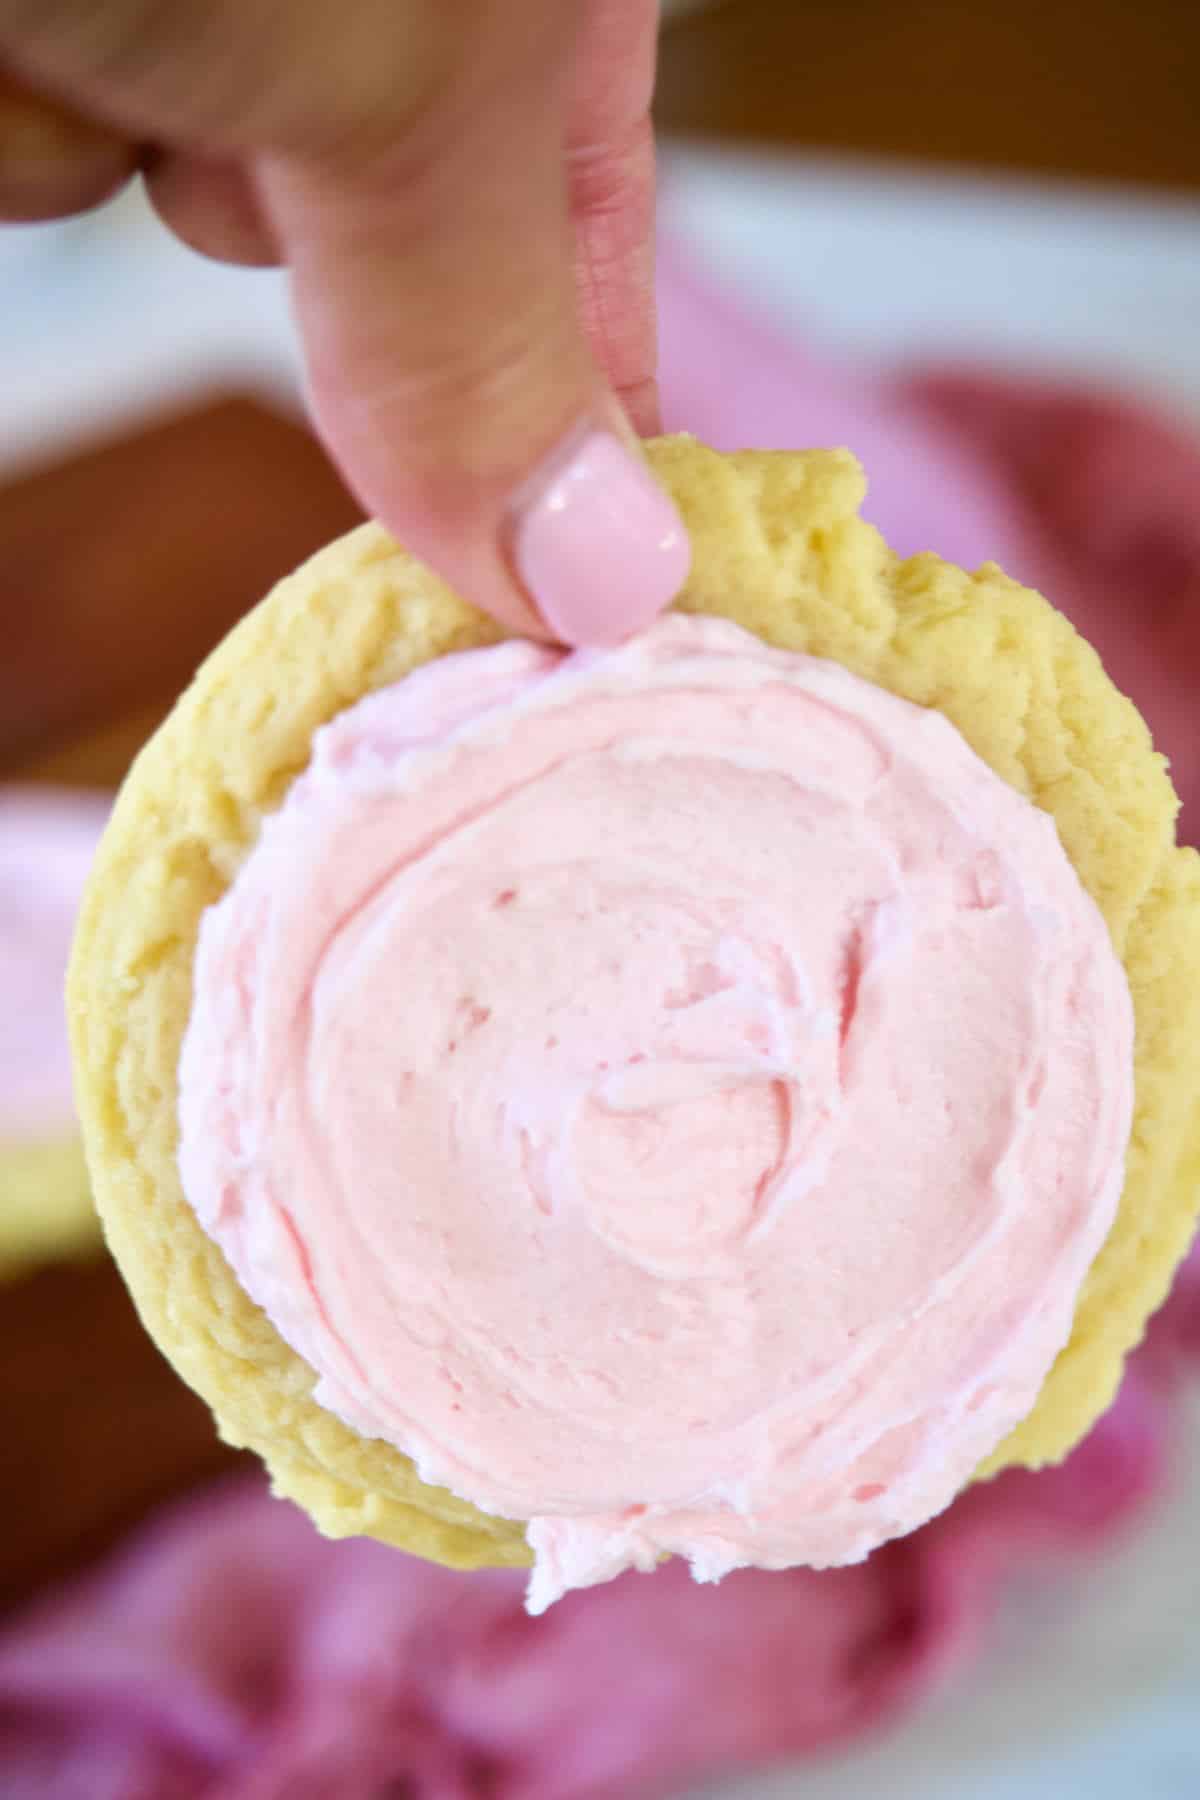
[[894, 262]]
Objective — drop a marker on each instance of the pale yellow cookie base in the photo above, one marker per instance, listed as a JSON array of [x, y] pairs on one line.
[[778, 547], [46, 1211]]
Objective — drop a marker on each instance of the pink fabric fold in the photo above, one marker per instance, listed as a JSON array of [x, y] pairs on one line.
[[229, 1651], [1092, 497]]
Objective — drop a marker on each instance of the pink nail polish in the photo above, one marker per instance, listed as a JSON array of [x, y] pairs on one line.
[[598, 546]]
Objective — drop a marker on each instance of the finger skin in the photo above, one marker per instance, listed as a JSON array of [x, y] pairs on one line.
[[462, 191], [212, 205], [610, 167], [53, 160]]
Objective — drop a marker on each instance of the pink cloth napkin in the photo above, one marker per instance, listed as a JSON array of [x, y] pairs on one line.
[[230, 1652], [1091, 497]]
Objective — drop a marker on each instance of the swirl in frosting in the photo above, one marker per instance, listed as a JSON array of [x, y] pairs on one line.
[[673, 1093]]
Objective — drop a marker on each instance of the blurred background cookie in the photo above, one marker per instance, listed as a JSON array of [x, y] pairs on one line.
[[47, 840]]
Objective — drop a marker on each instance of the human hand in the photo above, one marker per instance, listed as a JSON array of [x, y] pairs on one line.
[[462, 191]]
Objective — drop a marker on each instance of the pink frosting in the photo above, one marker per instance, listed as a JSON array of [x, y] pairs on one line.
[[673, 1093], [48, 837]]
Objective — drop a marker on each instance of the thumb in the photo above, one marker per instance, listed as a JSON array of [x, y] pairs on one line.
[[434, 288]]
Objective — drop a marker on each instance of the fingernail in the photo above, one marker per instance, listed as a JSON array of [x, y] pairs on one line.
[[597, 545]]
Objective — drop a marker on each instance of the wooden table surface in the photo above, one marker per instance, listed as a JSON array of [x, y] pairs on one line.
[[1101, 89], [115, 580]]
